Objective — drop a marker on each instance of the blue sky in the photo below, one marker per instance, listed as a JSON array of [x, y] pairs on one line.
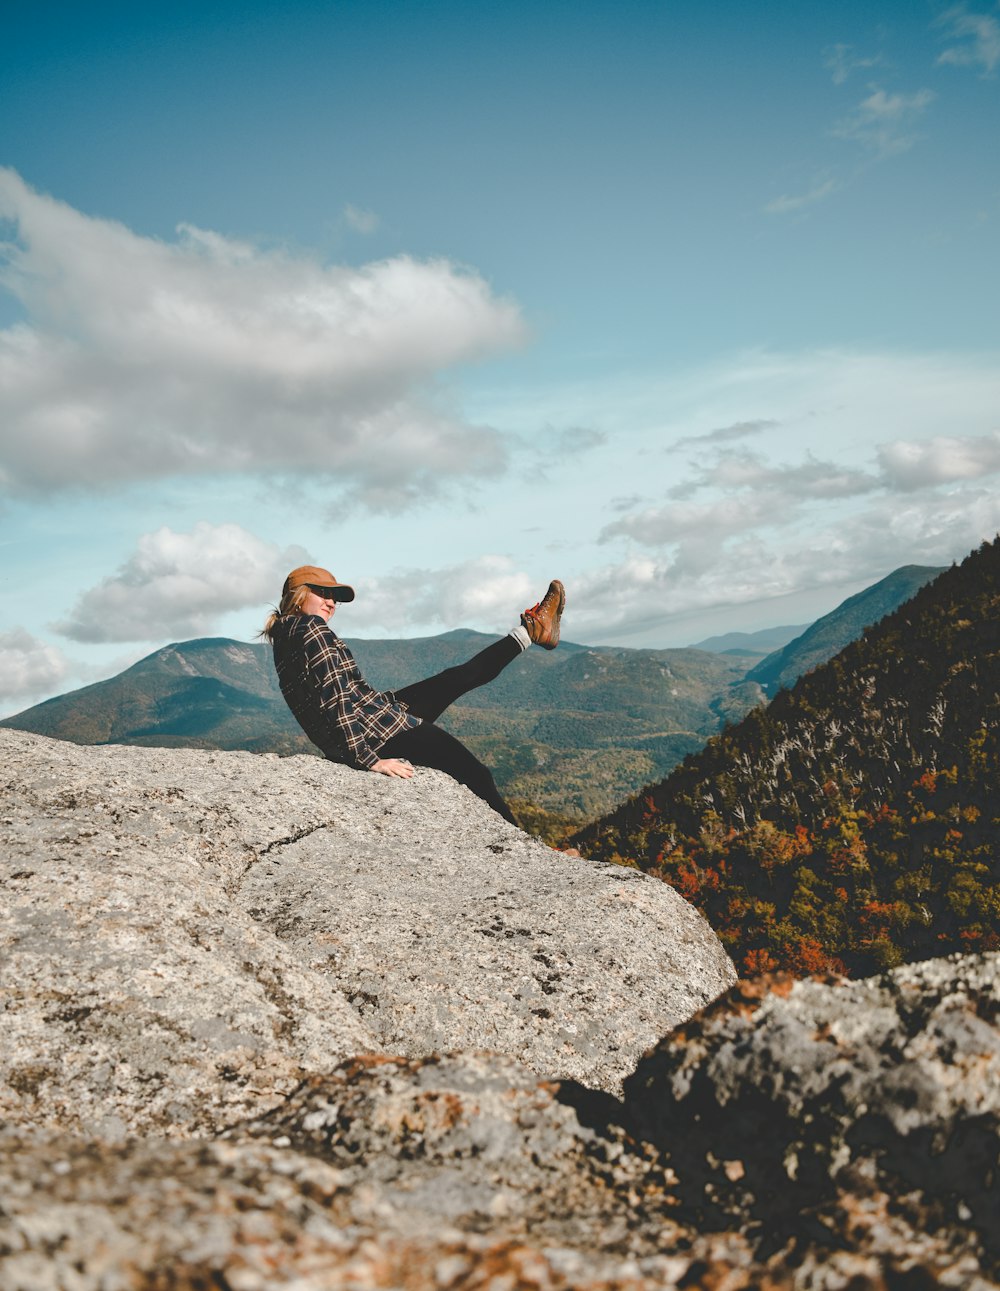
[[690, 304]]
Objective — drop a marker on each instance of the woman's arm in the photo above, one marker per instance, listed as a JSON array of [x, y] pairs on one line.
[[394, 766]]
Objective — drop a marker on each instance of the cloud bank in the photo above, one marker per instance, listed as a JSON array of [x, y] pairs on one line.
[[177, 585], [743, 529], [144, 358], [653, 591], [29, 668]]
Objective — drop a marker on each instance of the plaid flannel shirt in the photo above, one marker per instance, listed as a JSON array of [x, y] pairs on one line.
[[328, 696]]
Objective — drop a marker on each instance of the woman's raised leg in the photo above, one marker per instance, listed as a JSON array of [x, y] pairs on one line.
[[429, 698], [540, 624]]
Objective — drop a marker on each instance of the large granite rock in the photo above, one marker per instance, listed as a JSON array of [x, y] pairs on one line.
[[187, 934], [204, 954]]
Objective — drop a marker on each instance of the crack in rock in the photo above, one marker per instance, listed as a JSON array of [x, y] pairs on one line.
[[257, 857], [294, 838]]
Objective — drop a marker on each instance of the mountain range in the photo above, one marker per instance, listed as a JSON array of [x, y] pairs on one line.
[[762, 642], [568, 734], [853, 823]]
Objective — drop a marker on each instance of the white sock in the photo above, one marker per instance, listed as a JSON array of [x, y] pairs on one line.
[[520, 635]]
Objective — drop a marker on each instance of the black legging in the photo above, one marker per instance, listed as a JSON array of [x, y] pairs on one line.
[[428, 745]]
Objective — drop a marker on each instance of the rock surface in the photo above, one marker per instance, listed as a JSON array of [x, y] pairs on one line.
[[442, 1172], [854, 1113], [465, 1171], [187, 934], [195, 991]]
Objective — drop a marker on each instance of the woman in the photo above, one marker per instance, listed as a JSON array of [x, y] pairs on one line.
[[386, 731]]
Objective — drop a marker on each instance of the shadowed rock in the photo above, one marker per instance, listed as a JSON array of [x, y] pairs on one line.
[[813, 1111]]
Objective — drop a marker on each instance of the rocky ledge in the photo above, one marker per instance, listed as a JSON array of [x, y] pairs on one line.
[[271, 1023], [187, 934]]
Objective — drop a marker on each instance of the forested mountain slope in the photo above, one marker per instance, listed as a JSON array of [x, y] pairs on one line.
[[854, 823]]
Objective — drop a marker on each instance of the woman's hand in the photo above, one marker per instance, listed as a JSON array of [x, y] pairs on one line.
[[394, 766]]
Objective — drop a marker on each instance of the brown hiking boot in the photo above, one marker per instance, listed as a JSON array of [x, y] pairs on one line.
[[542, 620]]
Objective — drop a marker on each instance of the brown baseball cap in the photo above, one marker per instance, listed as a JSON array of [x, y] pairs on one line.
[[320, 579]]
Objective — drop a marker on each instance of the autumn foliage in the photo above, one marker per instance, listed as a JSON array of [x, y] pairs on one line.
[[853, 824]]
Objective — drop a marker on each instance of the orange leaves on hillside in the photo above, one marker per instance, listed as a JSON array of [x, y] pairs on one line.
[[856, 819], [806, 955], [772, 848], [758, 961], [866, 888], [693, 881]]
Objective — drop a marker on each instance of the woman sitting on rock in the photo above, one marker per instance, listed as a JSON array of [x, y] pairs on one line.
[[386, 731]]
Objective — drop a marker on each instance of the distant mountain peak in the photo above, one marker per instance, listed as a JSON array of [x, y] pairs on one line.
[[761, 642], [831, 633]]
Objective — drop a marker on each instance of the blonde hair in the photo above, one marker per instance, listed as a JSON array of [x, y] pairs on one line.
[[291, 603]]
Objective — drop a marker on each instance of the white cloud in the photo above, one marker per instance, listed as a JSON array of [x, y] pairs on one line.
[[883, 122], [909, 465], [710, 522], [725, 434], [785, 485], [980, 34], [360, 220], [488, 592], [650, 594], [841, 61], [29, 668], [178, 585], [796, 201], [145, 358]]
